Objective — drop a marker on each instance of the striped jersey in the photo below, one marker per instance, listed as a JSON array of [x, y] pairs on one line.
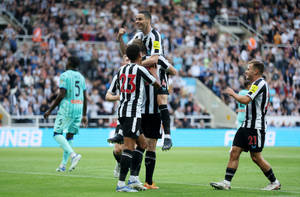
[[74, 84], [130, 81], [152, 41], [150, 105], [256, 110]]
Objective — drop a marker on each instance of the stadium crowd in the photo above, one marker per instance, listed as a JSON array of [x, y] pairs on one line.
[[29, 73]]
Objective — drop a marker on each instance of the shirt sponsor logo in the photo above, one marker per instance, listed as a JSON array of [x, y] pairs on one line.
[[76, 101]]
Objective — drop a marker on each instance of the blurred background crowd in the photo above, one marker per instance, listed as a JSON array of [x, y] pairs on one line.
[[29, 72]]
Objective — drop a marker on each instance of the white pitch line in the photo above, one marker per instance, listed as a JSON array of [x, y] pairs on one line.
[[66, 174]]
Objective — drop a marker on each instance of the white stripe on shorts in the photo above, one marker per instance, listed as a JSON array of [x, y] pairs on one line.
[[259, 138], [134, 125]]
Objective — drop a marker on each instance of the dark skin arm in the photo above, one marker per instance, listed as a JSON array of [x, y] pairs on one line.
[[61, 95], [84, 119]]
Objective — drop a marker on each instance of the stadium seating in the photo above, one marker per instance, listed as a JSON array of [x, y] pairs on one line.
[[29, 71]]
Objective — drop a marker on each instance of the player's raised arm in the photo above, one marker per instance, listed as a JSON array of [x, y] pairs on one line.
[[123, 47]]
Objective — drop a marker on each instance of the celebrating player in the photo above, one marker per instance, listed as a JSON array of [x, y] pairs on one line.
[[154, 45], [130, 80], [251, 135]]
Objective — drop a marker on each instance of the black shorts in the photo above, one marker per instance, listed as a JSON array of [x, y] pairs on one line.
[[164, 88], [131, 126], [252, 140], [151, 126]]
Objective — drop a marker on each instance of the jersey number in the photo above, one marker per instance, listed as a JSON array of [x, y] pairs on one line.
[[78, 88], [252, 140], [131, 78]]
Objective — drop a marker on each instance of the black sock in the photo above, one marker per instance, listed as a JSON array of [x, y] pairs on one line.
[[125, 164], [137, 158], [229, 174], [117, 156], [270, 175], [165, 118], [150, 159]]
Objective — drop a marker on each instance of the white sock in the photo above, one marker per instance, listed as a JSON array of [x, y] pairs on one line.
[[132, 178], [227, 182], [121, 183], [73, 154], [62, 165]]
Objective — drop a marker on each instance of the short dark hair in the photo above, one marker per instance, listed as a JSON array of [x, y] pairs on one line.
[[146, 14], [133, 52], [258, 65], [73, 61], [140, 43]]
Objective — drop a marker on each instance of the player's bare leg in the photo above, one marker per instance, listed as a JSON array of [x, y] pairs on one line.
[[117, 152], [267, 170]]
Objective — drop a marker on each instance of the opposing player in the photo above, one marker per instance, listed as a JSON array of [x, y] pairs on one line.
[[131, 80], [154, 45], [251, 135], [72, 110], [242, 107]]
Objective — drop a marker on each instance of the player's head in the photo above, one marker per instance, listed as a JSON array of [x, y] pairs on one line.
[[133, 52], [255, 69], [73, 62], [143, 21], [140, 43]]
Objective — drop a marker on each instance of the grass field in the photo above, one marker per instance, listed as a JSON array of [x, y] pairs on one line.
[[28, 172]]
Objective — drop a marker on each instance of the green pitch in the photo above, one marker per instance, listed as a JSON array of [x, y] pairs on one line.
[[30, 172]]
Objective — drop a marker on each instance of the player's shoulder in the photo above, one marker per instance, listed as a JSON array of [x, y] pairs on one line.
[[142, 68], [138, 35], [155, 31]]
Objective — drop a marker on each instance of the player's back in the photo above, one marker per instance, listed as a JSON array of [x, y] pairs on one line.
[[74, 84], [131, 79]]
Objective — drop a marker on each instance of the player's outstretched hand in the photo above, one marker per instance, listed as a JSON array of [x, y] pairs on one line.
[[228, 91], [84, 121], [167, 144], [121, 32], [46, 114]]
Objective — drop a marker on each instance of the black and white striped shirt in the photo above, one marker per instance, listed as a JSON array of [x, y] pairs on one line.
[[130, 80], [150, 105], [152, 41], [256, 110]]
